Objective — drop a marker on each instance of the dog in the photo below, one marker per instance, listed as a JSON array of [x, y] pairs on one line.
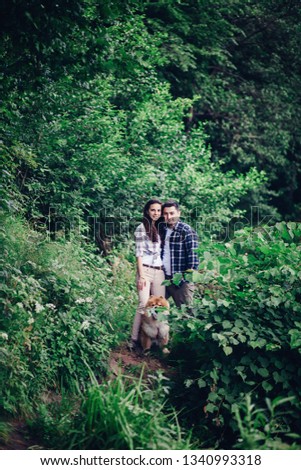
[[154, 326]]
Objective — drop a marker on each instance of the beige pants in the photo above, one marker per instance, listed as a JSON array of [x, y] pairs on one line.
[[153, 279]]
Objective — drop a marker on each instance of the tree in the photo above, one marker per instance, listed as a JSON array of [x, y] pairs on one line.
[[241, 59]]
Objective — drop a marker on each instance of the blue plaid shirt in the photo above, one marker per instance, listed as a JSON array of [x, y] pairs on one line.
[[183, 242]]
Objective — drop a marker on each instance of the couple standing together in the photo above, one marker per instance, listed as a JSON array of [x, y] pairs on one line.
[[165, 246]]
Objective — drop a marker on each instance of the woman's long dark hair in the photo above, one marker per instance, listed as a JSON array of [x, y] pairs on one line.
[[150, 228]]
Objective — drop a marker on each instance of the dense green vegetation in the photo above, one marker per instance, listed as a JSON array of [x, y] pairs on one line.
[[242, 337], [105, 104]]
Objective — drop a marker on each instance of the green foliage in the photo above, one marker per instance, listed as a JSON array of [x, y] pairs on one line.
[[95, 140], [94, 100], [263, 428], [93, 157], [127, 415], [243, 332], [240, 58], [60, 315], [117, 102], [122, 413]]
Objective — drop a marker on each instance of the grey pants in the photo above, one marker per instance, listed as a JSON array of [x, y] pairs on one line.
[[181, 295]]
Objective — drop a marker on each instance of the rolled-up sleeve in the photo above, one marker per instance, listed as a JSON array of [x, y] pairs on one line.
[[140, 240], [191, 244]]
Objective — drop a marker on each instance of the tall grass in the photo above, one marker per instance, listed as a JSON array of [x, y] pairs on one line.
[[123, 413], [266, 427]]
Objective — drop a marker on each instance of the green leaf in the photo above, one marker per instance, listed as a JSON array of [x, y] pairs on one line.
[[295, 338], [207, 255], [202, 383], [211, 408], [188, 383], [277, 377], [263, 372], [226, 324], [177, 278], [197, 277], [213, 396], [267, 386], [272, 347], [227, 350], [224, 302], [259, 343], [264, 361]]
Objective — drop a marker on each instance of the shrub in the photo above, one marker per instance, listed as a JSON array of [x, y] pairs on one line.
[[60, 313], [243, 333]]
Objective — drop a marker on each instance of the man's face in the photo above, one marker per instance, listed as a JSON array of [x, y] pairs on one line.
[[171, 216]]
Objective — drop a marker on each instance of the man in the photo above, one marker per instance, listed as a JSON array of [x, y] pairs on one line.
[[179, 242]]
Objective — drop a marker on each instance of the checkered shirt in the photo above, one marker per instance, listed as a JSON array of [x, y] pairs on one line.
[[144, 246], [183, 242]]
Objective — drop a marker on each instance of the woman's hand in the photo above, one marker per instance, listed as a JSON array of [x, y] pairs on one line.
[[141, 283]]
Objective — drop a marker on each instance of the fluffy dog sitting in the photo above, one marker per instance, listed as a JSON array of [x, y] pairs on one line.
[[154, 327]]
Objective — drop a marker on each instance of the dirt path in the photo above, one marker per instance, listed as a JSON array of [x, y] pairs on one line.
[[16, 437], [129, 363]]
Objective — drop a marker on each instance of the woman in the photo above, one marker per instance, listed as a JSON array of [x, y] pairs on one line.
[[150, 274]]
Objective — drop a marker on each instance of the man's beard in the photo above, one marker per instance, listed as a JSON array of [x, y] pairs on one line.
[[172, 223]]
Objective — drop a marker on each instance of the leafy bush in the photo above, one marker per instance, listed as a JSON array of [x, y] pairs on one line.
[[243, 334], [60, 313]]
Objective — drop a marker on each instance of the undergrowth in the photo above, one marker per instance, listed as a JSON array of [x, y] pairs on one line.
[[60, 312], [242, 336], [236, 351], [121, 413]]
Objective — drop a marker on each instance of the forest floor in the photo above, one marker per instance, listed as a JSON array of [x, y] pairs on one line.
[[130, 363], [17, 437], [121, 361]]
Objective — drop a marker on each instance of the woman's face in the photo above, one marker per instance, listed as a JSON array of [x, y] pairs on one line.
[[154, 211]]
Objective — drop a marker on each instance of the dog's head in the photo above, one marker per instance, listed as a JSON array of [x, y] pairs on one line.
[[157, 305]]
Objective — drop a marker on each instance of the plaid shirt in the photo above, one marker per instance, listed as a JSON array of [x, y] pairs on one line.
[[183, 242], [145, 247]]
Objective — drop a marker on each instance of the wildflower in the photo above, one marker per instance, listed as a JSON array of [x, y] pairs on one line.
[[39, 308], [85, 325], [51, 306], [30, 320], [4, 336], [87, 300]]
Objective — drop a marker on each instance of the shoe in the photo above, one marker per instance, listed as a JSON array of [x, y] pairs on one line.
[[133, 345]]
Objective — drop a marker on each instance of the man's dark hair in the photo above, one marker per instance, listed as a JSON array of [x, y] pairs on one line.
[[170, 203]]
